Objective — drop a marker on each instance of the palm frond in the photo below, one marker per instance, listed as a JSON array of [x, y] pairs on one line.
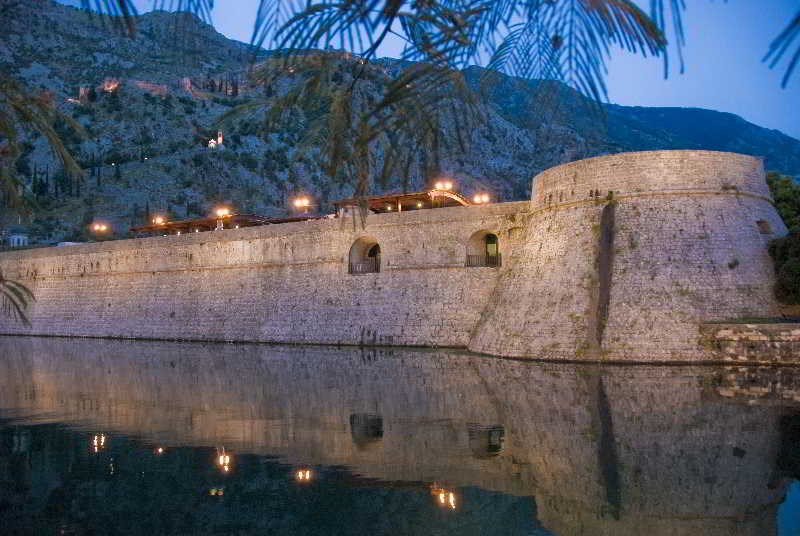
[[782, 45], [583, 32], [15, 299], [668, 17], [120, 15], [21, 110]]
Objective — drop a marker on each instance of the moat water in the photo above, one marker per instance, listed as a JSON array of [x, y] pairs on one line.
[[122, 437]]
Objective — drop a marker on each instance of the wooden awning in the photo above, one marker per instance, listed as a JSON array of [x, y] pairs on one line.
[[232, 221], [406, 201]]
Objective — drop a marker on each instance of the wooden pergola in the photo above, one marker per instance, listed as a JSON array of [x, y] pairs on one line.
[[424, 199], [197, 225]]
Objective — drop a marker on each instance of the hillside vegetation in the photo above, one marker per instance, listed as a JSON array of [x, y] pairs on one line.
[[151, 104]]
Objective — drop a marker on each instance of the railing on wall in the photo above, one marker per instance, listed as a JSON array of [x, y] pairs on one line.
[[478, 261], [370, 265]]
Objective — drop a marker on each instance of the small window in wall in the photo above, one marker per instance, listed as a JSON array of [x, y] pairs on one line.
[[365, 256], [483, 250], [486, 441], [366, 429], [764, 227]]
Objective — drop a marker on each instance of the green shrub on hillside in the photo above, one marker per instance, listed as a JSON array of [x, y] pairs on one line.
[[786, 251], [786, 192]]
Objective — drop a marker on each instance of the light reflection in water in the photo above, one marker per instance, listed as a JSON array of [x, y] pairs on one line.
[[445, 498], [223, 460], [505, 447], [98, 443], [303, 475]]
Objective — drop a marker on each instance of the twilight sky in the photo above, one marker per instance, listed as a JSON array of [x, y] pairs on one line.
[[725, 44]]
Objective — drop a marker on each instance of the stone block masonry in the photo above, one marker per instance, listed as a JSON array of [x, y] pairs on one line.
[[689, 246], [754, 343], [619, 257], [280, 283]]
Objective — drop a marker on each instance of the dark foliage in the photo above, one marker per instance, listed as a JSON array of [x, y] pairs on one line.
[[786, 193], [786, 254]]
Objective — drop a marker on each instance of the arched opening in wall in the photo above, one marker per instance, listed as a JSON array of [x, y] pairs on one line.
[[486, 441], [366, 429], [365, 256], [483, 250]]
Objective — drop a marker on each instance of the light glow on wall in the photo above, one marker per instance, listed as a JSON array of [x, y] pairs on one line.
[[443, 185]]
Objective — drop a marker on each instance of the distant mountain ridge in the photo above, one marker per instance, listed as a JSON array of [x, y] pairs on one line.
[[154, 130]]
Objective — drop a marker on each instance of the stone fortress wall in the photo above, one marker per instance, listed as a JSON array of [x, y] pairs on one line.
[[626, 255], [616, 257], [275, 283]]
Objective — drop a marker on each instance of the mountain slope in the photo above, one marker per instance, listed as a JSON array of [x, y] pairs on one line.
[[147, 150]]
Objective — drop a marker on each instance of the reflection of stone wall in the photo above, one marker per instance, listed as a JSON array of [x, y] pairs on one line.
[[674, 460], [618, 257], [757, 385]]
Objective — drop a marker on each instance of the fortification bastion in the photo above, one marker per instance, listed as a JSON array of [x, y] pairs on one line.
[[620, 257]]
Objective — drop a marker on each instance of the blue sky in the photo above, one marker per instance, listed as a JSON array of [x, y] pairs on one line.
[[724, 71]]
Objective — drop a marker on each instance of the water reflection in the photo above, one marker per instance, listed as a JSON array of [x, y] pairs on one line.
[[387, 442]]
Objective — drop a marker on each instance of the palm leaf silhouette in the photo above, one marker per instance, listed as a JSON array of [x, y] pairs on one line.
[[15, 299], [781, 46]]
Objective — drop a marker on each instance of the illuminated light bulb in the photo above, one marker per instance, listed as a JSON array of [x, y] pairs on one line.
[[439, 186], [197, 230], [389, 208], [419, 205], [448, 185], [235, 226], [222, 212], [442, 497], [160, 450], [477, 199], [179, 233], [158, 220]]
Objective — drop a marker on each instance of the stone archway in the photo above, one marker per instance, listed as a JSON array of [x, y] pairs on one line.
[[483, 250], [365, 256]]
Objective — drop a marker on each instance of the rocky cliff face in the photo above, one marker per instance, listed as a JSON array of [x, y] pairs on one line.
[[151, 104]]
